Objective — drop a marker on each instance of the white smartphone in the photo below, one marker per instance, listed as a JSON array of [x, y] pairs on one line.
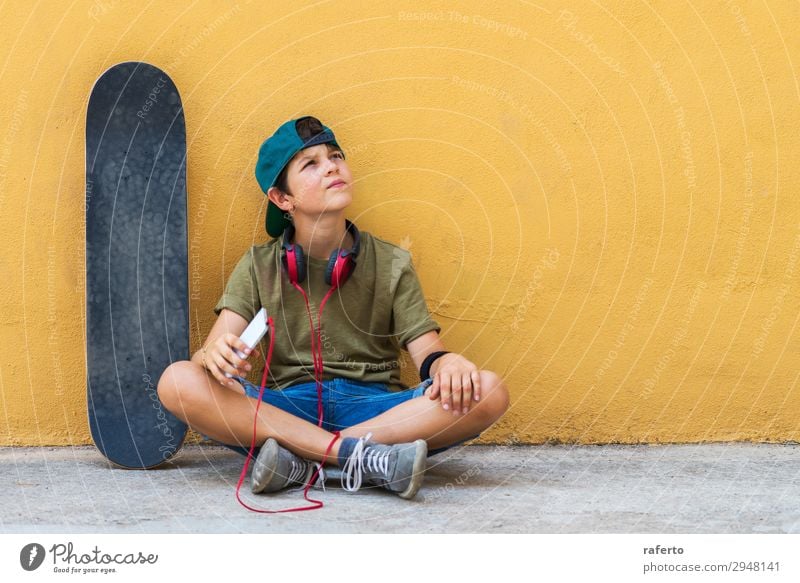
[[253, 334]]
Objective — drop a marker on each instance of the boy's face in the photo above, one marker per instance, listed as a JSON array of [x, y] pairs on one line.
[[319, 180]]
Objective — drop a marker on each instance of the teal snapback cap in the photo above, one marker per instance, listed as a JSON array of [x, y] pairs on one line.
[[276, 152]]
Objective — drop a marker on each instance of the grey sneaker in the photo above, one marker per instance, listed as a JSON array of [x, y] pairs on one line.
[[276, 468], [398, 468]]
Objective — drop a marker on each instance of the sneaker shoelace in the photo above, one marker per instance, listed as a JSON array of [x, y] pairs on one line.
[[363, 458], [298, 471], [302, 472]]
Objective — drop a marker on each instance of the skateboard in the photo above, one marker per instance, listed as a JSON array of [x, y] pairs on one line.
[[137, 303]]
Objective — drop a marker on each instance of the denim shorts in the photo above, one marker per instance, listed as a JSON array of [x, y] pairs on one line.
[[344, 402]]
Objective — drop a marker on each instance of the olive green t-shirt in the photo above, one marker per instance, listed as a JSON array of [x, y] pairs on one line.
[[365, 323]]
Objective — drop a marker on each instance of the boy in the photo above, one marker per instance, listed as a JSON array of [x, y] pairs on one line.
[[376, 308]]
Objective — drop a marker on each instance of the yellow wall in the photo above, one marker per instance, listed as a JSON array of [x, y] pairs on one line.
[[600, 200]]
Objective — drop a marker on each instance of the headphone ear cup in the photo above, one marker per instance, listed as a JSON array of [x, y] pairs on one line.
[[339, 268], [294, 262], [342, 262], [331, 267], [301, 263]]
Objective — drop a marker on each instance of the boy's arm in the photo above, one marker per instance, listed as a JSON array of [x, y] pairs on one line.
[[422, 346], [454, 377]]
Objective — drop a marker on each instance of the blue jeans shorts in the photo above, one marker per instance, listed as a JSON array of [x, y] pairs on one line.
[[344, 402]]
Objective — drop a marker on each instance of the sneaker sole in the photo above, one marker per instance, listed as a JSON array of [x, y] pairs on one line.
[[418, 471], [268, 450]]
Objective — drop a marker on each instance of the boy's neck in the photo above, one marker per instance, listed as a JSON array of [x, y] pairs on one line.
[[321, 236]]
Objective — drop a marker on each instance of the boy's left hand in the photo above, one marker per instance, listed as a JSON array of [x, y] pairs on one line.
[[457, 380]]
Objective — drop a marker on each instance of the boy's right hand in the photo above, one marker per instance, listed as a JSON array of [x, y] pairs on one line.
[[219, 358]]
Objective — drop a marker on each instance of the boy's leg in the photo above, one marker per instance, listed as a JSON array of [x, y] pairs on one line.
[[423, 418], [225, 414]]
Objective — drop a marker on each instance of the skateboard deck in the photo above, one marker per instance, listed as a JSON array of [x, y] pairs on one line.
[[137, 303]]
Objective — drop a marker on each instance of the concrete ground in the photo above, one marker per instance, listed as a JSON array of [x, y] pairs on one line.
[[707, 488]]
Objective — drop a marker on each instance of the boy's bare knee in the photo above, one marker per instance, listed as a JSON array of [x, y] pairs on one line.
[[178, 383], [494, 396]]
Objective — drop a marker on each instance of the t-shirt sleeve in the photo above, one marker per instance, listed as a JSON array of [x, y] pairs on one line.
[[241, 293], [410, 316]]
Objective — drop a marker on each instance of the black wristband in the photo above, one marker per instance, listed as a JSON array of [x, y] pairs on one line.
[[425, 370]]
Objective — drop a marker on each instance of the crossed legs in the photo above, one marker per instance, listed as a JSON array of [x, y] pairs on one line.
[[226, 414]]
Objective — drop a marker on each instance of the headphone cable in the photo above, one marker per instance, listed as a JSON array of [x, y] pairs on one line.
[[314, 503]]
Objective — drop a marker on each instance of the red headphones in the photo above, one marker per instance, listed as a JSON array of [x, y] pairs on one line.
[[340, 265]]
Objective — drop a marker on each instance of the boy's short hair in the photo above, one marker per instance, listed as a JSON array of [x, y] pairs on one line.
[[275, 154]]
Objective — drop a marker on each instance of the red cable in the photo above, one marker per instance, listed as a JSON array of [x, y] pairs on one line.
[[316, 354], [321, 363], [314, 503]]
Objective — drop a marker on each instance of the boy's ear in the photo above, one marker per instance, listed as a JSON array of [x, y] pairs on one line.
[[279, 198]]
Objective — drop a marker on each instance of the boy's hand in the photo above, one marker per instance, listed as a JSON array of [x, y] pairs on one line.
[[219, 358], [457, 380]]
